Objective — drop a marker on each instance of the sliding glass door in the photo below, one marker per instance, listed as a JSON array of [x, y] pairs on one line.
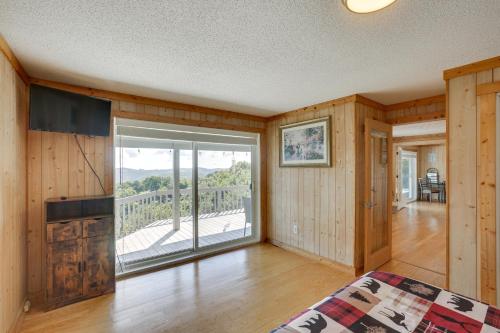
[[153, 200], [225, 204], [176, 197]]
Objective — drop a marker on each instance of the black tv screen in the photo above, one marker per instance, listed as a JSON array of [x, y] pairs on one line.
[[55, 110]]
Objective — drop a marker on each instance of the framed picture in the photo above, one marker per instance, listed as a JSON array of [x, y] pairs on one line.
[[306, 144]]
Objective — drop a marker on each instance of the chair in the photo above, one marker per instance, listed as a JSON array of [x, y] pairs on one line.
[[432, 176], [425, 189]]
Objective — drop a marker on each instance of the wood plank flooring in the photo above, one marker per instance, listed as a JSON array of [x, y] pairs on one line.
[[419, 242], [248, 290]]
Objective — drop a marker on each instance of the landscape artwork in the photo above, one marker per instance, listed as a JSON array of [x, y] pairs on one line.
[[306, 143]]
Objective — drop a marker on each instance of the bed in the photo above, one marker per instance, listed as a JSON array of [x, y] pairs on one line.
[[381, 302]]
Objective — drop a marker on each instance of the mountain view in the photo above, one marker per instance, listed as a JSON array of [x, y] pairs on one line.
[[140, 174]]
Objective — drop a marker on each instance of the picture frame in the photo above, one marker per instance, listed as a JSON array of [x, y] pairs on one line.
[[306, 143]]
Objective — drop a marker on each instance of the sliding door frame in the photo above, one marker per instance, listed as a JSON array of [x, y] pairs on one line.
[[195, 200], [196, 251], [254, 190]]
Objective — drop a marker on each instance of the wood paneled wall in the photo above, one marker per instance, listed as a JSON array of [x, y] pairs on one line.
[[56, 168], [425, 109], [13, 127], [321, 202], [487, 197], [424, 162], [469, 260]]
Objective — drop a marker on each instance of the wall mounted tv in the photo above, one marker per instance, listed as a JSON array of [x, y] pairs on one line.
[[55, 110]]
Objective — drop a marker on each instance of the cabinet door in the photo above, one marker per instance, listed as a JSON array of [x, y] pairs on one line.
[[64, 271], [99, 265], [64, 231], [98, 227]]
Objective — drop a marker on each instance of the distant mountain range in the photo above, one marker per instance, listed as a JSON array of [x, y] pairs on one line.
[[134, 174]]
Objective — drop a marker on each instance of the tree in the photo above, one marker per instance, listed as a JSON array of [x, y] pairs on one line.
[[237, 174], [152, 183], [125, 190], [209, 201]]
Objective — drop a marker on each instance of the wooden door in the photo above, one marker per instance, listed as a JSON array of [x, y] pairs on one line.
[[64, 271], [378, 194], [98, 265]]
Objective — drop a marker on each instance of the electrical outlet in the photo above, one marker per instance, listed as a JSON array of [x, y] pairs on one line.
[[295, 229]]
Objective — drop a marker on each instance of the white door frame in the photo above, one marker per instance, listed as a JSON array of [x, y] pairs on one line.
[[402, 201]]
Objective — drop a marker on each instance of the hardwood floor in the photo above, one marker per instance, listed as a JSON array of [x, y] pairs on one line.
[[419, 242], [248, 290]]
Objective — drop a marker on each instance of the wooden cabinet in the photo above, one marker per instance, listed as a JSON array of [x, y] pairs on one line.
[[64, 271], [99, 266], [80, 260]]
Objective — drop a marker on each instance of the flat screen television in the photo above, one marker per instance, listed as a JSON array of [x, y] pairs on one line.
[[55, 110]]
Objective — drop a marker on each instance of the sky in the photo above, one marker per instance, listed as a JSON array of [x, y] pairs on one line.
[[152, 159]]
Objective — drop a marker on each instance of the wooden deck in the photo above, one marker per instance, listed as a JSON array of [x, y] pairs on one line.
[[159, 239]]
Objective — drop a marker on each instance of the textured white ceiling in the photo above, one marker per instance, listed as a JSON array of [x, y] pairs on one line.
[[260, 56], [423, 128]]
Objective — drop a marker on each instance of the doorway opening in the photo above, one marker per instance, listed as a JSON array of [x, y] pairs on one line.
[[182, 192], [419, 200]]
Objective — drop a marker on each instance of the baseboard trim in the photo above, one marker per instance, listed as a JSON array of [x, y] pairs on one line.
[[342, 267], [18, 322]]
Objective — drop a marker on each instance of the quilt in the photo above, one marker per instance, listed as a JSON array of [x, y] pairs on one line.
[[380, 302]]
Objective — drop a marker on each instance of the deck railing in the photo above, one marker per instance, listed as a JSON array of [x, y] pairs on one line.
[[142, 210]]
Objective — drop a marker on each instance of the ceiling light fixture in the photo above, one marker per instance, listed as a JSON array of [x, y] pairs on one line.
[[366, 6]]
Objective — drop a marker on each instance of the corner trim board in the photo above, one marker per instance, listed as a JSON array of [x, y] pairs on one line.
[[11, 57]]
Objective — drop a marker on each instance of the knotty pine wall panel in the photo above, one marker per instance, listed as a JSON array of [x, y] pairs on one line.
[[424, 161], [411, 110], [13, 127], [319, 201], [469, 259]]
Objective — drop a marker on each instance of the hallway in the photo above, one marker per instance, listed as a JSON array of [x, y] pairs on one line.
[[419, 242]]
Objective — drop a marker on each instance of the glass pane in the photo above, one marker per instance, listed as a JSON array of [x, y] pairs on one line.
[[405, 177], [150, 204], [379, 171], [225, 206], [409, 176], [413, 178]]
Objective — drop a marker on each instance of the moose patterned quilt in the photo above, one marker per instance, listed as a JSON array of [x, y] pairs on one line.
[[381, 302]]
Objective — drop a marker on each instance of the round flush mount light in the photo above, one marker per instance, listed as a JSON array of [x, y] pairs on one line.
[[366, 6]]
